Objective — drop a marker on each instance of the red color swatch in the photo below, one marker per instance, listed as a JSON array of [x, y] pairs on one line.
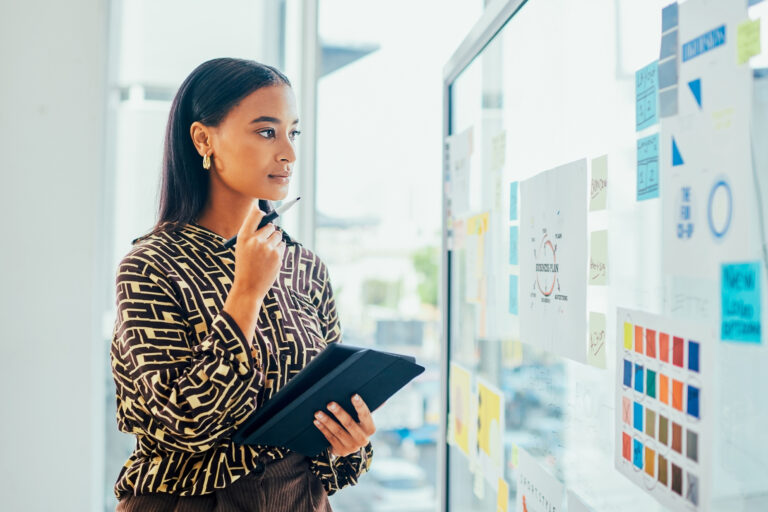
[[678, 349], [650, 343]]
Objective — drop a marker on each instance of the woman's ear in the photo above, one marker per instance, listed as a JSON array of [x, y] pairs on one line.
[[201, 138]]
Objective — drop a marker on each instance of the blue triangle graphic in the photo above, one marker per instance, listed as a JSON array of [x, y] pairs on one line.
[[695, 86], [676, 158]]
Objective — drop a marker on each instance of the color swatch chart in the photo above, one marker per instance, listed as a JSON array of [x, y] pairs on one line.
[[662, 424]]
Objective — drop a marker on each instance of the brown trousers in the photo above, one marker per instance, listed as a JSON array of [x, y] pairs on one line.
[[285, 485]]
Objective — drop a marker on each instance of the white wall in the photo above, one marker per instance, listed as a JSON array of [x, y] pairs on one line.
[[52, 272]]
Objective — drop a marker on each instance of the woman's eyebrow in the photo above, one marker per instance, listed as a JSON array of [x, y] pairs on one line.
[[271, 119]]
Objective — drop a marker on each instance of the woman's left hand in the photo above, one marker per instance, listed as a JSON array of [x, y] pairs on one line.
[[345, 435]]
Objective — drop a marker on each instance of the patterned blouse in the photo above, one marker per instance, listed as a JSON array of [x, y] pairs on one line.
[[186, 375]]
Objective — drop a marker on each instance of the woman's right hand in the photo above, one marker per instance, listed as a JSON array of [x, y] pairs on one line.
[[258, 255]]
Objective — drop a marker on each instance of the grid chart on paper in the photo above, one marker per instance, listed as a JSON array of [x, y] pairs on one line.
[[661, 409]]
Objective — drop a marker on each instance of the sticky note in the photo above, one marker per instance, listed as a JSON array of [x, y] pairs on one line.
[[663, 388], [677, 394], [677, 437], [663, 430], [662, 470], [678, 351], [668, 102], [748, 40], [668, 45], [648, 167], [627, 336], [502, 496], [637, 417], [638, 339], [639, 378], [598, 258], [627, 373], [692, 488], [669, 17], [513, 244], [650, 383], [626, 446], [664, 347], [637, 450], [693, 401], [513, 300], [650, 343], [693, 356], [498, 150], [740, 302], [597, 337], [692, 445], [598, 189], [646, 94], [650, 458], [513, 200], [650, 422]]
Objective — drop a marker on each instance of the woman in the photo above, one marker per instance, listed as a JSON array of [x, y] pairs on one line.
[[206, 335]]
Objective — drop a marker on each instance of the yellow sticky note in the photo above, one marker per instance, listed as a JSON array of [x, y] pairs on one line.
[[598, 258], [597, 338], [748, 40], [502, 497], [627, 336]]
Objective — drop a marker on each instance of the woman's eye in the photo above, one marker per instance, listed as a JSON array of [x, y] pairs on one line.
[[268, 133], [295, 133]]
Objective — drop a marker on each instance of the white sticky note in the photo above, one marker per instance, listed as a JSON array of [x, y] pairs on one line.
[[598, 187], [598, 257], [597, 340]]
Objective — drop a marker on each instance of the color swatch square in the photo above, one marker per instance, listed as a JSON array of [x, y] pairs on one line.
[[650, 343], [677, 479], [627, 336], [650, 422], [650, 460], [663, 388], [664, 347], [637, 451], [662, 470], [663, 430], [693, 356], [650, 383], [692, 445], [626, 410], [678, 349], [693, 401], [638, 417], [677, 438], [626, 446], [638, 339], [627, 373], [677, 394], [638, 378], [692, 488]]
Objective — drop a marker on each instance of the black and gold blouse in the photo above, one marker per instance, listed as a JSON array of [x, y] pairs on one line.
[[187, 376]]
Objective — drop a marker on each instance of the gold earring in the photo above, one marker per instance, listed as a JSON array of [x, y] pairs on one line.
[[207, 162]]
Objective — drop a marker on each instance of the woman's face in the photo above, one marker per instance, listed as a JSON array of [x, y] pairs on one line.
[[253, 147]]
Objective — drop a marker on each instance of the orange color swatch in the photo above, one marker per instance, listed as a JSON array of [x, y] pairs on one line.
[[664, 388], [677, 394], [650, 459], [664, 347], [650, 343], [638, 339]]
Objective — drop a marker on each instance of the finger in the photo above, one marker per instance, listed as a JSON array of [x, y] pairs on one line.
[[264, 233], [336, 444], [364, 415], [275, 238], [251, 221], [337, 430], [349, 424]]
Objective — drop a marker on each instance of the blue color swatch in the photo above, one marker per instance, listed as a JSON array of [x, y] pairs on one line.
[[740, 302], [513, 200], [693, 355], [637, 417], [638, 378], [513, 239], [627, 373], [513, 306], [693, 401], [637, 453]]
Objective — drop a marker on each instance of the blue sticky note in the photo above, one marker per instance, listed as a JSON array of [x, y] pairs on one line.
[[639, 378], [513, 237], [669, 17], [740, 302], [693, 401], [627, 373], [668, 74], [646, 95], [513, 200], [648, 167], [637, 453], [668, 45], [513, 307], [693, 355], [637, 417]]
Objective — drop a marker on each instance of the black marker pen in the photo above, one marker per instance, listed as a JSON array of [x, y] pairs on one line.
[[267, 219]]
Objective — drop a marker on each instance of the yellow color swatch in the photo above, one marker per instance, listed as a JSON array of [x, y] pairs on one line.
[[627, 336]]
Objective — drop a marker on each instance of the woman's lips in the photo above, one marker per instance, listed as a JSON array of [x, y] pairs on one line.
[[280, 179]]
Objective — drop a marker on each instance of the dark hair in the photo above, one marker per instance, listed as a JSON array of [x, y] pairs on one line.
[[207, 95]]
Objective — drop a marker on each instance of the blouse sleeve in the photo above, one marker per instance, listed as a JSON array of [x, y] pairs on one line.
[[337, 472], [183, 394]]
